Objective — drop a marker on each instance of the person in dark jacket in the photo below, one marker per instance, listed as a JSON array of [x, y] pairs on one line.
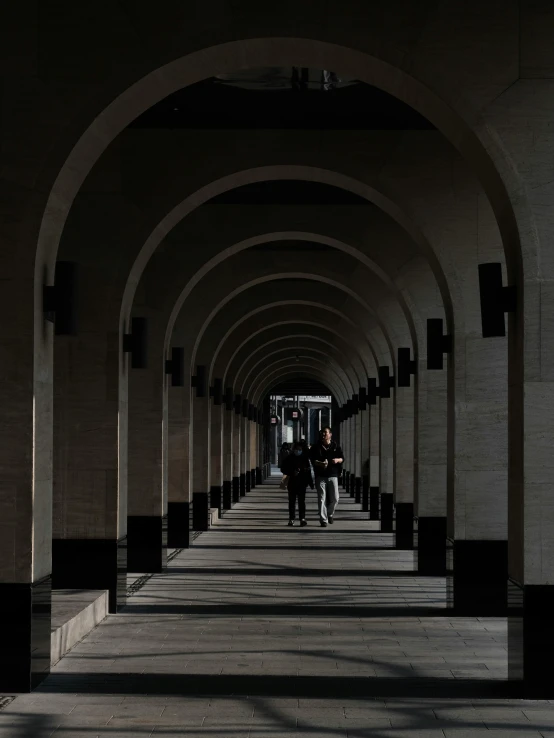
[[297, 467], [327, 459], [284, 451]]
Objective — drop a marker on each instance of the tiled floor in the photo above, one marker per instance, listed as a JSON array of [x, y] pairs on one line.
[[261, 630]]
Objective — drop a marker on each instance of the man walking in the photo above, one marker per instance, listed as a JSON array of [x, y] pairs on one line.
[[327, 458]]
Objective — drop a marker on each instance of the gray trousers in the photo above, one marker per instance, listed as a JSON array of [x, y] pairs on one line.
[[328, 496]]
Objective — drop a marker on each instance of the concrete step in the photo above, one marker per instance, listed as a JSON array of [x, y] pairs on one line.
[[75, 612]]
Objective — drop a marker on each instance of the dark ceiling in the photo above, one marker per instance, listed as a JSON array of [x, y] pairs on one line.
[[212, 104]]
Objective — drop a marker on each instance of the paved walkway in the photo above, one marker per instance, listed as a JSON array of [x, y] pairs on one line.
[[260, 630]]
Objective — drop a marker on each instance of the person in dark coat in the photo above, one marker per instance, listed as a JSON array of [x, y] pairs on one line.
[[327, 458], [297, 467]]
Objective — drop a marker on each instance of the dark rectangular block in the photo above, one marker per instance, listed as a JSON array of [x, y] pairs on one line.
[[236, 489], [242, 481], [358, 490], [531, 638], [430, 558], [178, 524], [227, 496], [477, 580], [200, 511], [216, 498], [26, 624], [404, 527], [247, 481], [374, 503], [146, 544], [365, 493], [92, 563], [252, 478], [259, 475], [386, 512]]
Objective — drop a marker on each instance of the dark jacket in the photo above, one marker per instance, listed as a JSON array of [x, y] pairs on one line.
[[297, 468], [319, 452]]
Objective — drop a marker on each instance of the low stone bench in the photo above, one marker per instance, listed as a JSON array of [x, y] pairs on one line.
[[75, 612]]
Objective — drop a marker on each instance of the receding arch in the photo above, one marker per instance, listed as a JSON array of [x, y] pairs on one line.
[[309, 371], [292, 338], [347, 386]]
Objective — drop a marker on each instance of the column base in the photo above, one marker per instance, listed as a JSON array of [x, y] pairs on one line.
[[242, 484], [146, 544], [476, 584], [227, 495], [358, 490], [430, 543], [236, 489], [26, 624], [259, 476], [216, 498], [247, 481], [374, 502], [178, 524], [93, 563], [404, 528], [386, 512], [200, 511], [365, 494], [531, 638]]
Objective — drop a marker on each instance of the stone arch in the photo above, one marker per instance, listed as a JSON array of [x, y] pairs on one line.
[[244, 371]]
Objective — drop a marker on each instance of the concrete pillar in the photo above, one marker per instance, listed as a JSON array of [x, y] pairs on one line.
[[374, 461], [179, 506], [357, 422], [386, 461], [147, 498], [90, 485], [432, 449], [200, 445], [365, 455], [404, 481], [227, 488], [236, 450], [216, 450]]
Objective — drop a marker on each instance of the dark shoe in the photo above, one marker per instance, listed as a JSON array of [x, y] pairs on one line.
[[303, 523], [291, 522], [323, 523], [330, 520]]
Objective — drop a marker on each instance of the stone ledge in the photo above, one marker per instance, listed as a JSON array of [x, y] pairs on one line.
[[75, 612], [214, 516]]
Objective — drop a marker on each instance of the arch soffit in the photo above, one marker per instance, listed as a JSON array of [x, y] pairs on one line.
[[290, 338], [368, 368], [293, 352], [297, 304], [312, 361], [379, 66], [301, 371], [334, 243], [287, 275]]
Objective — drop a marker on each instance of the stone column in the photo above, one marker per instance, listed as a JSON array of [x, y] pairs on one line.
[[432, 448], [216, 448], [386, 461], [147, 500], [236, 449], [374, 460], [404, 467], [228, 422], [89, 548], [365, 455], [357, 422], [179, 506], [200, 445], [25, 503]]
